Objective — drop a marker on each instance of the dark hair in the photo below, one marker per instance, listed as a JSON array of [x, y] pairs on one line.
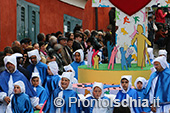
[[124, 79], [47, 37], [76, 35], [69, 39], [34, 44], [25, 41], [94, 33], [8, 50], [160, 27], [17, 49], [53, 34], [58, 33], [28, 40], [77, 28], [149, 17], [87, 32], [41, 43], [67, 34], [40, 37], [34, 77], [1, 59]]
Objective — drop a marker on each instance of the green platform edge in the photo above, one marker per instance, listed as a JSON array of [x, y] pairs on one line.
[[117, 67]]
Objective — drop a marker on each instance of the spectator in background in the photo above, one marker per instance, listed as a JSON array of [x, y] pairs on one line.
[[160, 37], [150, 29], [87, 32], [16, 43], [67, 34], [64, 51], [96, 45], [57, 54], [24, 43], [20, 59], [77, 42], [29, 41], [36, 46], [41, 37], [58, 34], [17, 49], [100, 36], [78, 28], [160, 16], [69, 47], [47, 38], [42, 49], [71, 36], [8, 51], [52, 42]]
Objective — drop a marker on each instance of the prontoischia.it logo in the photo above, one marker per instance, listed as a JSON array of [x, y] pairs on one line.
[[59, 102]]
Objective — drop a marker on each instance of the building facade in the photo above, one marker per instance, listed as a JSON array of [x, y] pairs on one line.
[[26, 18]]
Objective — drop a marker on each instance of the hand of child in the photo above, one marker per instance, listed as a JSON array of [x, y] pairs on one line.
[[153, 109], [7, 99], [38, 107], [166, 13]]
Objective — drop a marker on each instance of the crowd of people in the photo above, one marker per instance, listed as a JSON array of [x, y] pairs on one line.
[[159, 29], [32, 76]]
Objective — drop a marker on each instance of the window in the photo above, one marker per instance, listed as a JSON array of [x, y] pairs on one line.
[[70, 22]]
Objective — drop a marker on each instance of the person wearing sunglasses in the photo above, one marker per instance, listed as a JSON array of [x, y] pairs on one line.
[[126, 92]]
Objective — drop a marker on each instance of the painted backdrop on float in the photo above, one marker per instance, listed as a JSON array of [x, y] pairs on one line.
[[127, 25]]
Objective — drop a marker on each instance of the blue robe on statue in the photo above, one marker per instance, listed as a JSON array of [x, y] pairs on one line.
[[16, 76], [42, 69], [52, 83], [89, 109], [75, 65], [51, 108], [21, 104], [42, 94], [132, 93]]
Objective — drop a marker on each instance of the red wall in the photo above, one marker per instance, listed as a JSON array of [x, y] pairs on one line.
[[51, 17], [8, 22], [52, 14], [89, 17]]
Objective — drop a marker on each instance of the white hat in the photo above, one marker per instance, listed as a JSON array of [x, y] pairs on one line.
[[36, 74], [17, 55], [11, 59], [21, 85], [150, 52], [69, 76], [163, 52], [36, 53], [81, 54], [162, 61], [53, 67], [69, 67], [129, 78], [141, 79], [100, 85]]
